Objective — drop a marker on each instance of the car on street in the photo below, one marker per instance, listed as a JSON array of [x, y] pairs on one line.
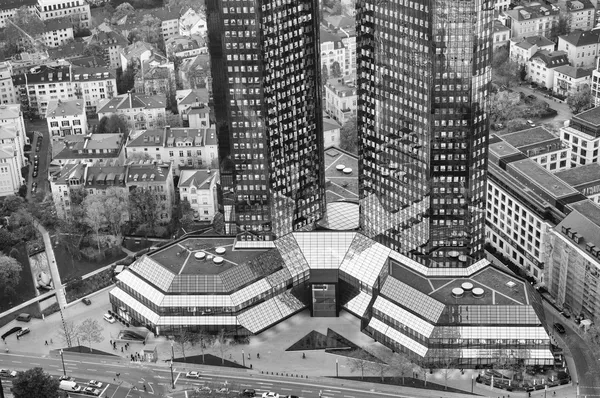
[[531, 123], [23, 332], [222, 390], [35, 173], [270, 394], [11, 331], [7, 373], [192, 375], [95, 384], [91, 391], [559, 328], [109, 318], [203, 390], [65, 378], [247, 392], [86, 301]]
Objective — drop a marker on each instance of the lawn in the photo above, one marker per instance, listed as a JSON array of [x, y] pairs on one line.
[[137, 244], [26, 289], [497, 280], [70, 267]]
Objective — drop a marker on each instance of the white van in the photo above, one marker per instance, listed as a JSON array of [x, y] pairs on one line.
[[69, 386], [109, 318]]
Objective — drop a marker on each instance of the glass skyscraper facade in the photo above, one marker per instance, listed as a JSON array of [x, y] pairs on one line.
[[423, 73], [267, 102]]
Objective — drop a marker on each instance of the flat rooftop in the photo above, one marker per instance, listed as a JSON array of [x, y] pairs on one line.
[[340, 186], [542, 178], [536, 135], [502, 149], [591, 116], [580, 175]]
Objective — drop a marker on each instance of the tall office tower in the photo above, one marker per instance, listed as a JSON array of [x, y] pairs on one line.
[[424, 78], [267, 100]]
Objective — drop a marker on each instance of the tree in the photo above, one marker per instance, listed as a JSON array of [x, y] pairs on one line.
[[117, 124], [337, 8], [401, 365], [116, 210], [94, 215], [221, 344], [184, 339], [561, 28], [504, 71], [11, 204], [94, 49], [517, 124], [10, 274], [446, 366], [349, 136], [7, 240], [324, 74], [22, 25], [125, 80], [186, 215], [68, 333], [358, 360], [148, 29], [219, 223], [143, 204], [580, 100], [139, 157], [170, 119], [186, 4], [381, 367], [123, 10], [523, 72], [35, 383], [90, 331], [503, 105], [336, 70], [205, 339]]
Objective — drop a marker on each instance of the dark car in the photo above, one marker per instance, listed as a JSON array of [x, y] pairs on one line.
[[35, 173], [11, 331], [248, 392], [65, 378], [559, 328], [566, 313], [86, 301]]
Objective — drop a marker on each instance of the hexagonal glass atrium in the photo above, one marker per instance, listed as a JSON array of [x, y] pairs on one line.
[[471, 315]]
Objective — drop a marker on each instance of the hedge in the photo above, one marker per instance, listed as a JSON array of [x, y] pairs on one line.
[[81, 288]]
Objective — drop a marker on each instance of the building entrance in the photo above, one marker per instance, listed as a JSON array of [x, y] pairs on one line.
[[324, 300]]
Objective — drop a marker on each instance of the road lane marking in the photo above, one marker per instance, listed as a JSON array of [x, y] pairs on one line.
[[306, 391], [333, 391], [267, 384], [286, 389], [92, 370], [177, 378], [33, 363], [17, 362], [349, 396]]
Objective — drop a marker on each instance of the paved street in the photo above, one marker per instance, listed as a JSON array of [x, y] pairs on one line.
[[564, 113]]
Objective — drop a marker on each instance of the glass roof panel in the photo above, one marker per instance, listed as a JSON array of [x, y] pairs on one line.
[[401, 315], [197, 320], [365, 259], [236, 277], [288, 304], [496, 353], [197, 284], [261, 316], [280, 277], [341, 216], [292, 255], [411, 298], [135, 305], [153, 272], [400, 338], [139, 285], [324, 249], [254, 244], [197, 300], [494, 314], [358, 305], [491, 332], [249, 292]]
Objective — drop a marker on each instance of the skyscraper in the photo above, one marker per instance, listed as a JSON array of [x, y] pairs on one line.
[[423, 73], [267, 101]]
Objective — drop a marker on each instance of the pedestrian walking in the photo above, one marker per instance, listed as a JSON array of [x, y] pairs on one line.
[[110, 342], [121, 349], [248, 356], [257, 355], [46, 342]]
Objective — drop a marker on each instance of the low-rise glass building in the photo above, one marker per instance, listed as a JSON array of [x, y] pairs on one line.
[[471, 316]]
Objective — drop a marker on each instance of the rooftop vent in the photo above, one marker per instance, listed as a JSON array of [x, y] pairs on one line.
[[478, 292], [511, 284], [467, 286], [457, 292]]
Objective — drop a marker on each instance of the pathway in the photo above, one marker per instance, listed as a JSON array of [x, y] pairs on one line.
[[56, 282]]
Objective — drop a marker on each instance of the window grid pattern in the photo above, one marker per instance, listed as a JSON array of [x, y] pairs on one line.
[[260, 316], [288, 304], [496, 314], [254, 244], [341, 216], [135, 305], [198, 320], [281, 277], [153, 272], [412, 299], [236, 277], [324, 250], [358, 305], [530, 354], [292, 255], [197, 284], [202, 301], [402, 316], [365, 260], [399, 338], [493, 333], [133, 282], [250, 292]]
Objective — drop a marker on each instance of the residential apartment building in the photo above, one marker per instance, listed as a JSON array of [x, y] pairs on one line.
[[192, 23], [89, 149], [423, 128], [501, 35], [169, 21], [270, 130], [78, 11], [199, 188], [541, 146], [93, 85], [57, 32], [581, 48], [42, 84], [581, 15], [331, 132], [332, 50], [501, 5], [12, 140], [531, 21], [340, 100], [8, 93], [523, 48], [595, 84], [348, 36], [100, 178], [113, 44], [185, 46], [570, 80], [193, 107], [66, 118], [156, 177], [542, 66], [155, 80], [184, 148], [582, 136], [194, 72], [141, 111], [585, 179], [135, 54], [62, 182]]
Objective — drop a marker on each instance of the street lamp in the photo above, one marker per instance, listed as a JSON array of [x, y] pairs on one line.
[[243, 359], [172, 379], [63, 362], [172, 352], [471, 383], [337, 373]]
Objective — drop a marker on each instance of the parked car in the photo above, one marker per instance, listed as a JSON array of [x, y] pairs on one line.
[[65, 378], [24, 317], [248, 392], [270, 395], [23, 332], [192, 375], [203, 390], [566, 313], [7, 373], [95, 384], [11, 331], [109, 318], [559, 328], [531, 123], [35, 173], [86, 301], [91, 391]]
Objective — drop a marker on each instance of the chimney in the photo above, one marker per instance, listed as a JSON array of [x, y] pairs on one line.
[[167, 131]]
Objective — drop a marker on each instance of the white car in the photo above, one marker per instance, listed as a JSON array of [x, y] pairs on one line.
[[109, 318], [192, 375], [270, 395], [91, 391], [95, 384]]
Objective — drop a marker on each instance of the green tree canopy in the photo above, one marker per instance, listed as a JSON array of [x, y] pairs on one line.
[[10, 274], [90, 330], [580, 100], [35, 383], [336, 70], [324, 74], [349, 136]]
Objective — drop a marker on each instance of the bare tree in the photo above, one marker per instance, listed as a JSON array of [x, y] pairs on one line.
[[222, 344], [205, 339], [184, 339], [358, 360], [446, 365], [90, 331], [381, 367], [68, 332], [401, 365], [116, 210], [94, 215]]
